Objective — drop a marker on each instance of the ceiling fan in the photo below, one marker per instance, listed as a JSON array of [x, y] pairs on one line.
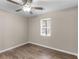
[[26, 5]]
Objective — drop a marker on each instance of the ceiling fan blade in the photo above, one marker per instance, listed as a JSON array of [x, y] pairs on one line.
[[29, 1], [38, 8], [18, 10], [24, 2], [14, 2]]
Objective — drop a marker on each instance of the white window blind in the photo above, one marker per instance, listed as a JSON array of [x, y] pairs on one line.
[[45, 27]]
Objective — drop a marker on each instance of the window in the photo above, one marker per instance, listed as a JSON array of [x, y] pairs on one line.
[[45, 27]]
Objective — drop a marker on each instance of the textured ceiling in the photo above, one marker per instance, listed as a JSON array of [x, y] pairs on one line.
[[48, 5]]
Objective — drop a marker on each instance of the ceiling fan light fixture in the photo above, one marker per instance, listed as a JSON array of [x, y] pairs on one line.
[[27, 8]]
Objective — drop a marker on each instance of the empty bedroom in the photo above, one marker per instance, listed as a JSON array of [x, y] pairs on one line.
[[38, 29]]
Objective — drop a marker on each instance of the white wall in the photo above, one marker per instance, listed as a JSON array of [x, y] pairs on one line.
[[13, 30], [64, 30]]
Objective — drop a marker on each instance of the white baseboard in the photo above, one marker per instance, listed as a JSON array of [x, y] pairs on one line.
[[55, 49], [39, 45], [13, 47]]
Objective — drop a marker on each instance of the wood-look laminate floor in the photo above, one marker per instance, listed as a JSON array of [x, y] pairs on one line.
[[31, 51]]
